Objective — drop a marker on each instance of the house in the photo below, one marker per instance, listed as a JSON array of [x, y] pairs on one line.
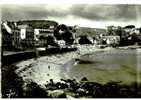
[[26, 34], [17, 36], [6, 36], [111, 40], [43, 35], [128, 28]]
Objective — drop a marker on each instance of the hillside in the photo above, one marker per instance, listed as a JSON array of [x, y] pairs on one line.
[[47, 23], [37, 23], [89, 31]]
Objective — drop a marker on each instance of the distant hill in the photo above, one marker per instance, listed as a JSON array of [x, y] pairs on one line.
[[37, 23], [90, 31], [47, 23]]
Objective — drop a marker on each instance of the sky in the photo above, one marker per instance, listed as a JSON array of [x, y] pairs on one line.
[[86, 15]]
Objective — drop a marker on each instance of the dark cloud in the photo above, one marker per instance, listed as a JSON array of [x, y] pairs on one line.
[[106, 12], [86, 11], [19, 12]]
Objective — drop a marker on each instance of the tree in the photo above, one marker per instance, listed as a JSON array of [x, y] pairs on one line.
[[62, 32], [130, 26]]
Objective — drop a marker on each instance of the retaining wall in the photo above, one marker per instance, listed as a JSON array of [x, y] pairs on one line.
[[16, 57]]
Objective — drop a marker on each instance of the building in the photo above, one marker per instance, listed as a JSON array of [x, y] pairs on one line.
[[24, 35], [44, 35], [6, 36], [111, 40]]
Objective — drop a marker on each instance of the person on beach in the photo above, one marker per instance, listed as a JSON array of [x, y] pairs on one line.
[[48, 67]]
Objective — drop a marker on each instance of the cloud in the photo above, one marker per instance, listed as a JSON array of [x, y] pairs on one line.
[[106, 12], [14, 12], [72, 13]]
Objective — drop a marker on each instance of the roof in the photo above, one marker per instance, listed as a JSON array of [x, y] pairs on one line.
[[23, 26], [130, 26]]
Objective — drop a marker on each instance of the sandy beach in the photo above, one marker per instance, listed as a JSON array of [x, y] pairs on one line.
[[49, 67]]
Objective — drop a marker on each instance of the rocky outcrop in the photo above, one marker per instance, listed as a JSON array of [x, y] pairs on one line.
[[56, 94]]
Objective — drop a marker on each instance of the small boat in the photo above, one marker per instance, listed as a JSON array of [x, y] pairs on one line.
[[84, 61]]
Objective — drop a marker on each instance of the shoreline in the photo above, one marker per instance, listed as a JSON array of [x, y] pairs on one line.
[[49, 67], [38, 73], [52, 65]]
